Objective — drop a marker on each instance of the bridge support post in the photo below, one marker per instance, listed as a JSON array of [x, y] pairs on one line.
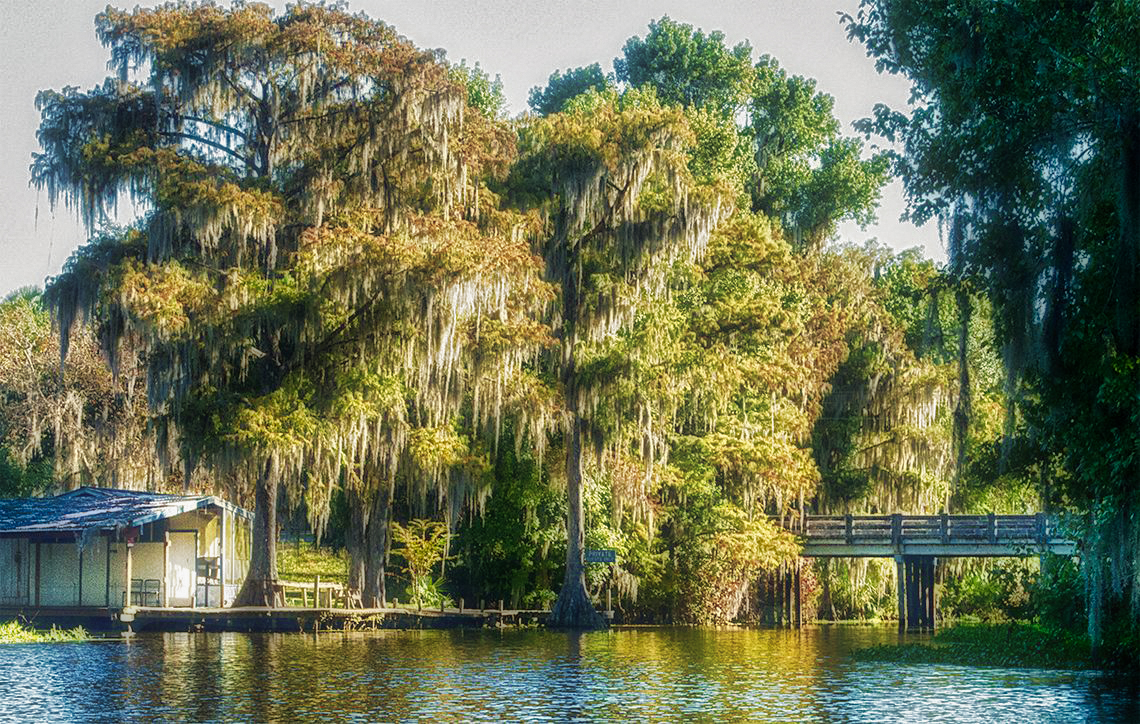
[[799, 593], [901, 585], [774, 590], [763, 596], [916, 592], [778, 596], [788, 591], [931, 601], [773, 607], [913, 617]]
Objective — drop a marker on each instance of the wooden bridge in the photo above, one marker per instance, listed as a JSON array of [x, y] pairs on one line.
[[944, 536], [915, 542]]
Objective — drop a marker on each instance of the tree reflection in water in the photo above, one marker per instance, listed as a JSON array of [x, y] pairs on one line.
[[655, 674]]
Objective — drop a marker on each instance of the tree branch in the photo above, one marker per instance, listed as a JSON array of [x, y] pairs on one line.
[[213, 144], [242, 90], [330, 340], [216, 124]]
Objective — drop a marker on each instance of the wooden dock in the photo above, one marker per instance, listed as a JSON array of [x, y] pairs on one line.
[[137, 619], [294, 619]]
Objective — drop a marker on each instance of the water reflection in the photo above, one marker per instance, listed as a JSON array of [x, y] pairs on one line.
[[635, 674]]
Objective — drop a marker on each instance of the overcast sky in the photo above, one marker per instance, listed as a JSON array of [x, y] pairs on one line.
[[51, 43]]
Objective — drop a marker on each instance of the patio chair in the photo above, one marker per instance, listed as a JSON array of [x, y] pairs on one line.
[[151, 592]]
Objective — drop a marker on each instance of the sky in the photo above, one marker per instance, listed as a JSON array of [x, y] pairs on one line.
[[52, 44]]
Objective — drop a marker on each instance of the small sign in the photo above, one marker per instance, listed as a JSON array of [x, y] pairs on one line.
[[601, 556]]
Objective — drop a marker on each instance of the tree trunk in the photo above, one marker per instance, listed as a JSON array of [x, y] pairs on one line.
[[964, 409], [1064, 248], [1128, 251], [1093, 568], [260, 586], [356, 543], [573, 609], [825, 602], [375, 592]]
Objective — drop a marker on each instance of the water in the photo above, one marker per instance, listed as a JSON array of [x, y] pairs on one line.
[[634, 674]]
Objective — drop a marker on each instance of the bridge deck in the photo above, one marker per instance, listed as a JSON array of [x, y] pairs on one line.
[[866, 536]]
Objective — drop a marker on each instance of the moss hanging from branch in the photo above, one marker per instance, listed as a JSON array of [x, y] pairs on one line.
[[318, 250]]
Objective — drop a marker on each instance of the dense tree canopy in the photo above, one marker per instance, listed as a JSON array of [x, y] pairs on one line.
[[316, 256], [701, 405], [688, 67], [615, 322], [69, 425], [562, 87], [1025, 142]]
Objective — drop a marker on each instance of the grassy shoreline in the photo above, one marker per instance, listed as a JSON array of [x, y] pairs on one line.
[[303, 561], [15, 632], [1016, 645]]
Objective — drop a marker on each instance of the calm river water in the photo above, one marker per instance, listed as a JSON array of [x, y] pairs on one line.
[[633, 674]]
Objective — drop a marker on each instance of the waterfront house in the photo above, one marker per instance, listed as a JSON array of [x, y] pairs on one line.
[[102, 549]]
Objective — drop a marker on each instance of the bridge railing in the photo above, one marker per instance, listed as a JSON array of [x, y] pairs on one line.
[[897, 528]]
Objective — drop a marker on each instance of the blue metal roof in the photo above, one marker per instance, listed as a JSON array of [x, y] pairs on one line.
[[98, 509]]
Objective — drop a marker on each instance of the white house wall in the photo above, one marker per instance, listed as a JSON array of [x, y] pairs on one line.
[[95, 572], [205, 524], [148, 561], [15, 572], [59, 574]]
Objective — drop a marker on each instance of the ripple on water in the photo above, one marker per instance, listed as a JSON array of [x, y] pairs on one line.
[[656, 674]]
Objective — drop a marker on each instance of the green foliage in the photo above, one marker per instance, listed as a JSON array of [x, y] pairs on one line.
[[24, 481], [920, 299], [1058, 594], [806, 174], [304, 561], [993, 593], [883, 439], [1033, 169], [422, 545], [427, 592], [857, 590], [722, 155], [716, 563], [714, 362], [563, 87], [377, 292], [687, 67], [320, 247], [789, 158], [624, 208], [1016, 590], [69, 424], [513, 549], [1009, 645], [16, 632], [483, 94]]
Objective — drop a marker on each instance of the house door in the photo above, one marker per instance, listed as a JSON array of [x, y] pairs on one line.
[[181, 568]]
